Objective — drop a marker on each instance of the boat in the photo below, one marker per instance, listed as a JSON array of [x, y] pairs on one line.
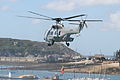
[[28, 76]]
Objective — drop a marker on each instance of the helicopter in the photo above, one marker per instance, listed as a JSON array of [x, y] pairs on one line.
[[57, 32]]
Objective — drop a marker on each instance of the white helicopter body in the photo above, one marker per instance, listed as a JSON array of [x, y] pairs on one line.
[[59, 33]]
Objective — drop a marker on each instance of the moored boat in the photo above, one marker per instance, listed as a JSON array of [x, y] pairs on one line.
[[9, 76]]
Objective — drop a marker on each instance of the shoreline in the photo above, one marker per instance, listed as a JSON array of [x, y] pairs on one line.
[[111, 69]]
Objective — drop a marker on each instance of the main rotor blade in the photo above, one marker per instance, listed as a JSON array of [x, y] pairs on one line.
[[92, 20], [74, 16], [34, 17], [85, 20], [74, 23], [40, 14], [74, 20]]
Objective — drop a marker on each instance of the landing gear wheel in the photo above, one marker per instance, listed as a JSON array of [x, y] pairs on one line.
[[68, 44], [49, 44]]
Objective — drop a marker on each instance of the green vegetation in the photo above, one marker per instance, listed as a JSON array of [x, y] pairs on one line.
[[23, 48]]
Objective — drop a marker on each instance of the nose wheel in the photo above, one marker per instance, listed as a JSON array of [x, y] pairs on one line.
[[68, 44], [51, 43]]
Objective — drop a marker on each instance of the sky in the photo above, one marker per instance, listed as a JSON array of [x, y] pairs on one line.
[[99, 37]]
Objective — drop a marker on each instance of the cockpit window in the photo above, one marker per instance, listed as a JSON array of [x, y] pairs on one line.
[[51, 33]]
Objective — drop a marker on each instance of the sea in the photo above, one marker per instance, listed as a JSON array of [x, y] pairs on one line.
[[67, 75]]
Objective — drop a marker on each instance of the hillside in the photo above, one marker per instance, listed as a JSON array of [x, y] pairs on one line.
[[23, 48]]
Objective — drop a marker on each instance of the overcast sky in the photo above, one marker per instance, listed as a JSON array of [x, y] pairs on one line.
[[99, 37]]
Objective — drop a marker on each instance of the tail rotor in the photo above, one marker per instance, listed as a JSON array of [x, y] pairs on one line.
[[83, 22]]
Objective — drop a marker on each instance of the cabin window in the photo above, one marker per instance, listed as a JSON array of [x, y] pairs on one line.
[[59, 32], [55, 32]]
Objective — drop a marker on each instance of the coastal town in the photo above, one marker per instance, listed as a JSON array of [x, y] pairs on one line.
[[55, 58], [98, 63]]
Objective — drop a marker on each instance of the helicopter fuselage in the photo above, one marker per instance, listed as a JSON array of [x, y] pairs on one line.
[[59, 33]]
